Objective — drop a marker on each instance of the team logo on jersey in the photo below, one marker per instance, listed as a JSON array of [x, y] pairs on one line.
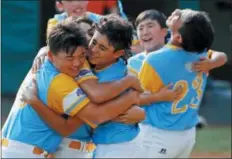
[[71, 99], [188, 66], [84, 72], [79, 92]]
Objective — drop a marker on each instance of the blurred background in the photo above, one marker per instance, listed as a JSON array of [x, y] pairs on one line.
[[23, 33]]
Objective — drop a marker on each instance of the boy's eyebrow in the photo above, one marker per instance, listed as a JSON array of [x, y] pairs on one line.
[[103, 46], [146, 24], [100, 44]]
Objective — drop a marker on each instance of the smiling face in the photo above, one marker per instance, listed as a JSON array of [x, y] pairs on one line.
[[74, 7], [101, 52], [69, 64], [151, 34]]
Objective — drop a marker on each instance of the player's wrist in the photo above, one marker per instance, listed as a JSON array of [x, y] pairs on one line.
[[135, 97], [35, 101], [128, 81]]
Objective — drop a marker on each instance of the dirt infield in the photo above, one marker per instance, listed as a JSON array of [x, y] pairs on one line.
[[211, 155]]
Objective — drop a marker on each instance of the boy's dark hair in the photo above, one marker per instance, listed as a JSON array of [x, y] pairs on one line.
[[66, 36], [197, 31], [81, 19], [118, 31], [151, 14], [84, 19]]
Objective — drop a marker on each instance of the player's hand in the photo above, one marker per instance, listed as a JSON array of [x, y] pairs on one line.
[[29, 94], [135, 83], [132, 116], [202, 66], [38, 61], [168, 94]]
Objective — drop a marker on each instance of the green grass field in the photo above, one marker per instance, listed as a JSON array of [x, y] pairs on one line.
[[213, 142]]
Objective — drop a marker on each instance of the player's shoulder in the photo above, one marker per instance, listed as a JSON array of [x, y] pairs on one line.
[[58, 17], [165, 52], [138, 57], [49, 72], [61, 17], [163, 56], [62, 82], [94, 17]]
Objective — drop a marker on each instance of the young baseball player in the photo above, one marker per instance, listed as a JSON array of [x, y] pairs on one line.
[[170, 126]]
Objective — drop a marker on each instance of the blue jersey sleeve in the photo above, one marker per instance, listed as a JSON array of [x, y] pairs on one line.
[[94, 17]]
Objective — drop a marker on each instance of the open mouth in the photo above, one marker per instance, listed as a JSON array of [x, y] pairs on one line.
[[78, 11], [147, 40]]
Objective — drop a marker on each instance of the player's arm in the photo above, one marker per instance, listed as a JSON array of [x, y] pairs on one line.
[[39, 59], [217, 58], [97, 92], [214, 60], [132, 116], [136, 114], [146, 98], [92, 112], [72, 105], [165, 94], [54, 119], [151, 81], [103, 92]]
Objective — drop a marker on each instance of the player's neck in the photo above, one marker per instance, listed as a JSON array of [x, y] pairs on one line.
[[103, 66], [176, 44], [155, 48]]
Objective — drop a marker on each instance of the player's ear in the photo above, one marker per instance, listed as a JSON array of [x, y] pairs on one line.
[[178, 38], [50, 55], [119, 53], [59, 6], [164, 31]]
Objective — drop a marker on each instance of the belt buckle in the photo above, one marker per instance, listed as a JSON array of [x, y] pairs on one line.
[[38, 151], [75, 145]]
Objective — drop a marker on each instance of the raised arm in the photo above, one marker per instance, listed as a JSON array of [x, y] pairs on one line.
[[215, 59], [218, 59]]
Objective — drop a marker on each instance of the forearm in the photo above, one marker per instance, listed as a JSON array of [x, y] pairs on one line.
[[103, 92], [107, 111], [148, 98], [218, 59], [59, 124]]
